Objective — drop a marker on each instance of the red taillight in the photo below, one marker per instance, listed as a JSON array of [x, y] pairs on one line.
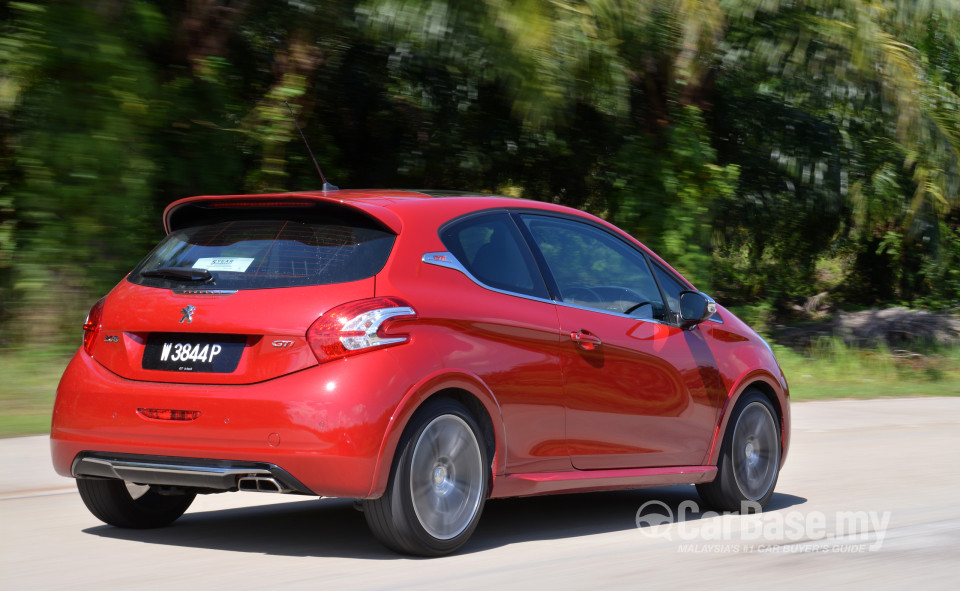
[[358, 327], [169, 414], [91, 326]]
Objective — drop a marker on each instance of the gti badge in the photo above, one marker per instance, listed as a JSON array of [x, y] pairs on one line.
[[186, 314]]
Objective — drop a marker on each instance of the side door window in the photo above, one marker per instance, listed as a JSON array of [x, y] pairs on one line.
[[492, 249], [671, 288], [595, 269]]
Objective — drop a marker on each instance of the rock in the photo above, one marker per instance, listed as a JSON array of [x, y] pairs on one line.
[[896, 326]]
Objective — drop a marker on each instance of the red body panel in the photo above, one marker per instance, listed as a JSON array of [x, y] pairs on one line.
[[133, 311], [330, 419], [640, 399], [745, 361], [648, 407]]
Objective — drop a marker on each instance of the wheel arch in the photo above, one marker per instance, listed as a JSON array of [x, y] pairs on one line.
[[465, 388], [774, 391]]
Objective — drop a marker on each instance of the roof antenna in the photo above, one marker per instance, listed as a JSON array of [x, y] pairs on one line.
[[326, 186]]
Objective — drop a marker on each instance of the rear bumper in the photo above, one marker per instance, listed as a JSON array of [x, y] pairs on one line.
[[322, 427], [203, 475]]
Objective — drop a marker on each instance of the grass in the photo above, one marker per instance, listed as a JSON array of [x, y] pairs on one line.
[[29, 385], [828, 370], [831, 369]]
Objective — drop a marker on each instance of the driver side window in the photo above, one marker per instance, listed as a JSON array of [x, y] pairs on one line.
[[594, 269]]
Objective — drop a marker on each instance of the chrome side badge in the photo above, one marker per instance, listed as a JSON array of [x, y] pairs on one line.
[[444, 259], [111, 338], [186, 314]]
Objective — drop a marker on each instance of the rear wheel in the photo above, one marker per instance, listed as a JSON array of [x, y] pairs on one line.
[[124, 504], [437, 486], [749, 456]]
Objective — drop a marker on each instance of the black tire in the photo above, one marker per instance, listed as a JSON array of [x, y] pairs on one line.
[[749, 462], [135, 507], [438, 484]]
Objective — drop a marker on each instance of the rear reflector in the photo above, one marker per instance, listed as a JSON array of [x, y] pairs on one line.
[[169, 414]]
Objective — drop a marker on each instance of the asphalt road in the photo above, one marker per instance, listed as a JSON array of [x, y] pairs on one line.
[[868, 498]]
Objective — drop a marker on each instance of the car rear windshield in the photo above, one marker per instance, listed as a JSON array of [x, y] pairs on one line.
[[268, 251]]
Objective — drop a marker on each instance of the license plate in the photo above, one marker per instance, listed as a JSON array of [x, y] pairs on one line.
[[203, 353]]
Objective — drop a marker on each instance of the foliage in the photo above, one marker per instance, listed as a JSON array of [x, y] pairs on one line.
[[942, 272], [769, 149], [30, 383], [669, 201], [81, 155], [833, 370]]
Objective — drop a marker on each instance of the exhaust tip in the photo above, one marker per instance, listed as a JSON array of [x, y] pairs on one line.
[[262, 484]]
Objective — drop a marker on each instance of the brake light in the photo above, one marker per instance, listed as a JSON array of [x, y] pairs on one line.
[[260, 204], [357, 327], [91, 326]]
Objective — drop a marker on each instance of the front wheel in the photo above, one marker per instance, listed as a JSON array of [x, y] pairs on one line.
[[749, 456], [128, 505], [437, 486]]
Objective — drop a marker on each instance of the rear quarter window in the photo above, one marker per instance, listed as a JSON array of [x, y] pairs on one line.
[[491, 247]]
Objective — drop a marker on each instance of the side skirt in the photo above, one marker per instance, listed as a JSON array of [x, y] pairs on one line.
[[537, 483]]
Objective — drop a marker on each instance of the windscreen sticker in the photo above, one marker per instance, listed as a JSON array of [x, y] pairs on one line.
[[235, 264]]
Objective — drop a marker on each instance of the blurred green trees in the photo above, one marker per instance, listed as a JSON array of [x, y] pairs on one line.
[[769, 149]]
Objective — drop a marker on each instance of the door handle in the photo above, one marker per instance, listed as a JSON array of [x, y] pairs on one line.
[[586, 340]]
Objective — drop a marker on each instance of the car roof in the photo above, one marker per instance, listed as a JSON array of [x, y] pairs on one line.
[[392, 206], [389, 206]]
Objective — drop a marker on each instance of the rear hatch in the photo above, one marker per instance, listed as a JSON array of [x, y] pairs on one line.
[[227, 297]]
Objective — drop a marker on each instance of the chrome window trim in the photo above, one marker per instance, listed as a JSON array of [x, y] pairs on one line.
[[448, 261], [611, 313]]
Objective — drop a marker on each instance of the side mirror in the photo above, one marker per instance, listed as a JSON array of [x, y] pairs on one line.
[[695, 307]]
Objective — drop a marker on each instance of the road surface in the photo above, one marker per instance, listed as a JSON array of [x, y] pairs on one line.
[[868, 498]]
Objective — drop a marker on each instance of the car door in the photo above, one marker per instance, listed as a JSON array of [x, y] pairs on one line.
[[638, 390]]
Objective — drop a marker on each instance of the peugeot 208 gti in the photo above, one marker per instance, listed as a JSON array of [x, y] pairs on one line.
[[420, 353]]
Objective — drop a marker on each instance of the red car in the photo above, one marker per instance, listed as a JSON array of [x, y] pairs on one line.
[[420, 352]]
